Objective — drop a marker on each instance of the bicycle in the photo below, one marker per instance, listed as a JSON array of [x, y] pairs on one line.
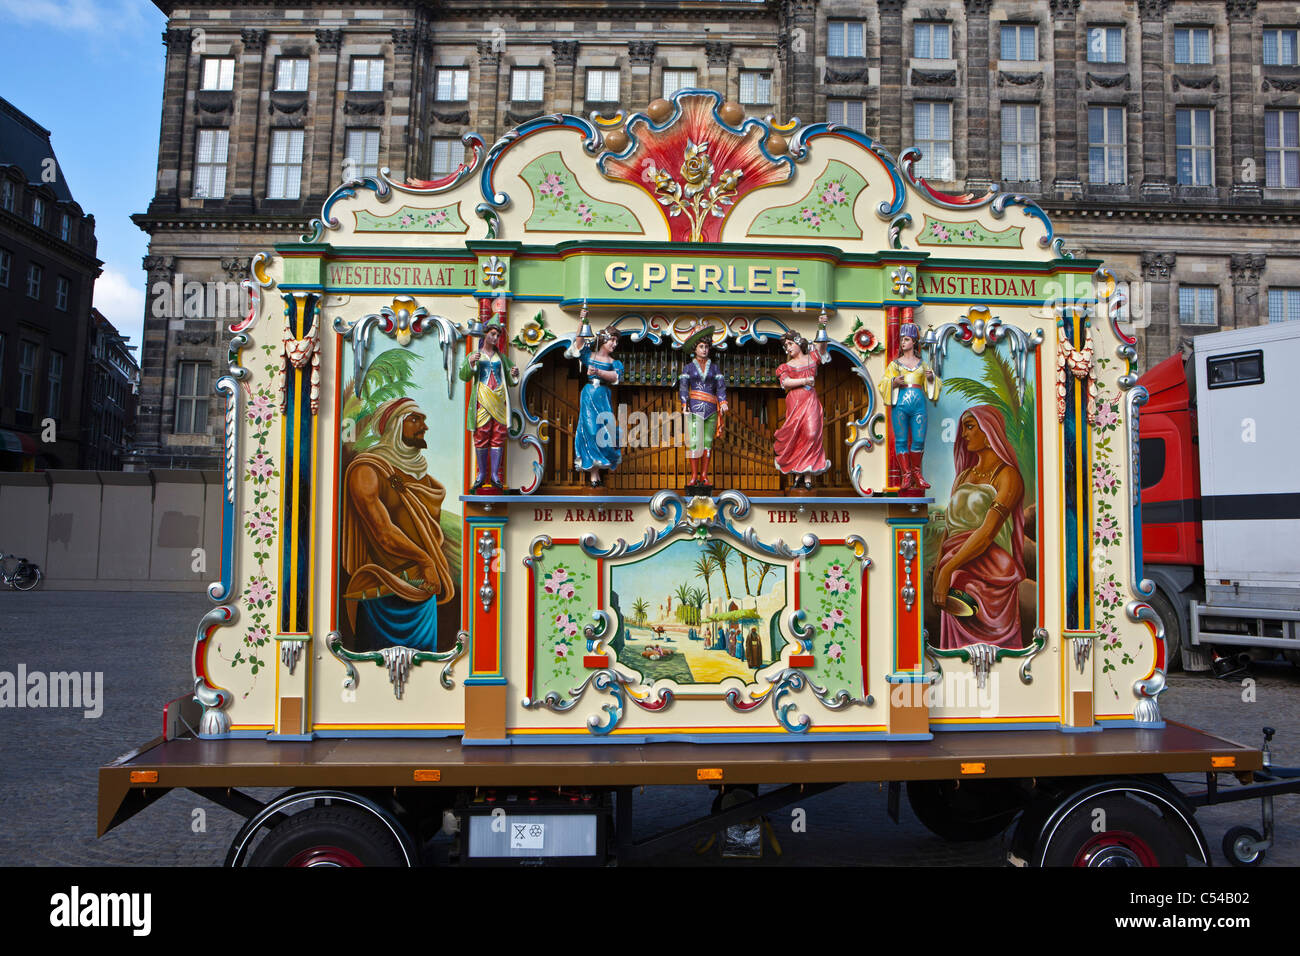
[[23, 577]]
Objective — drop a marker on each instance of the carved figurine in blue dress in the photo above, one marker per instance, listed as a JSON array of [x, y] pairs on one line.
[[595, 437]]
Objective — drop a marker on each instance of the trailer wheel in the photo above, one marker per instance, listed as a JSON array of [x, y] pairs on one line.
[[1173, 630], [329, 836], [1239, 847], [967, 810], [1132, 835]]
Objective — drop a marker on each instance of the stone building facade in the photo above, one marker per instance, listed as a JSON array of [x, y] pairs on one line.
[[112, 390], [1159, 135]]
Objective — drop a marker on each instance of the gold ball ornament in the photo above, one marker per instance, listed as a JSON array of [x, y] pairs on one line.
[[733, 114], [776, 144], [659, 110], [616, 141]]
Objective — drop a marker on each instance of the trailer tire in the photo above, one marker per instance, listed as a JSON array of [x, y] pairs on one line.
[[1236, 843], [967, 810], [1132, 834], [1164, 609], [329, 836]]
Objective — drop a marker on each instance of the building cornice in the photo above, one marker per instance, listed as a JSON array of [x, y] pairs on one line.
[[1172, 212], [727, 10], [207, 220]]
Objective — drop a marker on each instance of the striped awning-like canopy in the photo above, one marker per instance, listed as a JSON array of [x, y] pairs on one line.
[[16, 442]]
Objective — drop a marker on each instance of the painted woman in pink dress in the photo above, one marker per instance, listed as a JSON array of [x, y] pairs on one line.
[[981, 561], [800, 448]]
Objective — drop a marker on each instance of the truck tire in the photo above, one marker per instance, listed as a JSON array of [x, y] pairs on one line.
[[329, 836], [1173, 630], [965, 811], [1131, 834]]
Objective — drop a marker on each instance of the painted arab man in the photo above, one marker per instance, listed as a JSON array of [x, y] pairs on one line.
[[488, 419], [703, 393], [392, 543]]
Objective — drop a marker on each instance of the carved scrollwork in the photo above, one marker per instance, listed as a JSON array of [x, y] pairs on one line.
[[831, 75], [1194, 82], [934, 77], [1107, 82]]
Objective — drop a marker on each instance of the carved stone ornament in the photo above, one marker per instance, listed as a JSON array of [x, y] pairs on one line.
[[254, 40], [1064, 9], [1158, 266], [236, 268], [1246, 269], [214, 101], [291, 104], [978, 8], [1107, 82], [518, 118], [363, 104], [489, 52], [177, 39], [934, 77], [1017, 78], [404, 40], [1195, 83], [718, 53], [565, 52], [1285, 84], [1153, 9], [846, 76], [160, 267], [641, 52], [329, 40], [453, 119], [1241, 9]]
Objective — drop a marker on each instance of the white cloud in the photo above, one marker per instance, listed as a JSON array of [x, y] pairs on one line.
[[108, 16], [121, 299]]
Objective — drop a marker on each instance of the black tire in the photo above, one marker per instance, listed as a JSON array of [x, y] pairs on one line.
[[329, 836], [1234, 847], [1164, 609], [963, 811], [27, 577], [1132, 834]]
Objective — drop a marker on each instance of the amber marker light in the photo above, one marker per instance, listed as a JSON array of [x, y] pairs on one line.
[[428, 776], [1223, 763], [144, 776], [708, 773], [969, 768]]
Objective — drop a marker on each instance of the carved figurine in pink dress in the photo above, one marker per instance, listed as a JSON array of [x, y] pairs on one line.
[[799, 442]]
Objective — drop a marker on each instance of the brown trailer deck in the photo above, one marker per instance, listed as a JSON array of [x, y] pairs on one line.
[[136, 779]]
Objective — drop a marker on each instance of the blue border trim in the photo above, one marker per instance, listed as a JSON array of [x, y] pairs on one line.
[[335, 734]]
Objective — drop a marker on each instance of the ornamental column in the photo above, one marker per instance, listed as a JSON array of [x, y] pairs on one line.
[[891, 75], [1160, 338], [564, 54], [641, 55], [489, 90], [1155, 175], [1065, 113], [323, 174], [797, 50], [1245, 270], [978, 175], [1247, 132]]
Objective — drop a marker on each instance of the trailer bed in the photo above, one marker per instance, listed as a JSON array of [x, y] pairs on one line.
[[136, 779]]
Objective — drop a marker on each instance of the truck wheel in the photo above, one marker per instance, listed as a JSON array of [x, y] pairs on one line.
[[1238, 847], [1173, 630], [965, 811], [329, 836], [1131, 835]]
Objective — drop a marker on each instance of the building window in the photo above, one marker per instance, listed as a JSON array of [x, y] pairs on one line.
[[7, 195], [452, 86], [38, 211], [755, 87], [291, 75], [33, 281], [1198, 305], [210, 163], [285, 181], [932, 133], [27, 377], [1283, 305], [54, 386], [65, 228], [362, 152], [1192, 45], [931, 41], [846, 38], [850, 113], [1107, 151], [1280, 47], [602, 86], [6, 264], [675, 80], [1106, 45], [1020, 142], [1194, 138], [218, 73], [368, 74], [526, 85], [61, 289], [1282, 149], [1019, 41], [192, 398], [448, 152]]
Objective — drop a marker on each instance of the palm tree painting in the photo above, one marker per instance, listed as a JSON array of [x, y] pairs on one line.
[[390, 375], [640, 612]]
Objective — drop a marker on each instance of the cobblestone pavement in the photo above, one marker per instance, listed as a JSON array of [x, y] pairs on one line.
[[141, 643]]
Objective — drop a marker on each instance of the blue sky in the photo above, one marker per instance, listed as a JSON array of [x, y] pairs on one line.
[[91, 72]]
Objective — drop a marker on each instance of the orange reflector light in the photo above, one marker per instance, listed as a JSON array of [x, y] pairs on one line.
[[1223, 761], [428, 776], [972, 768], [144, 776], [708, 773]]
